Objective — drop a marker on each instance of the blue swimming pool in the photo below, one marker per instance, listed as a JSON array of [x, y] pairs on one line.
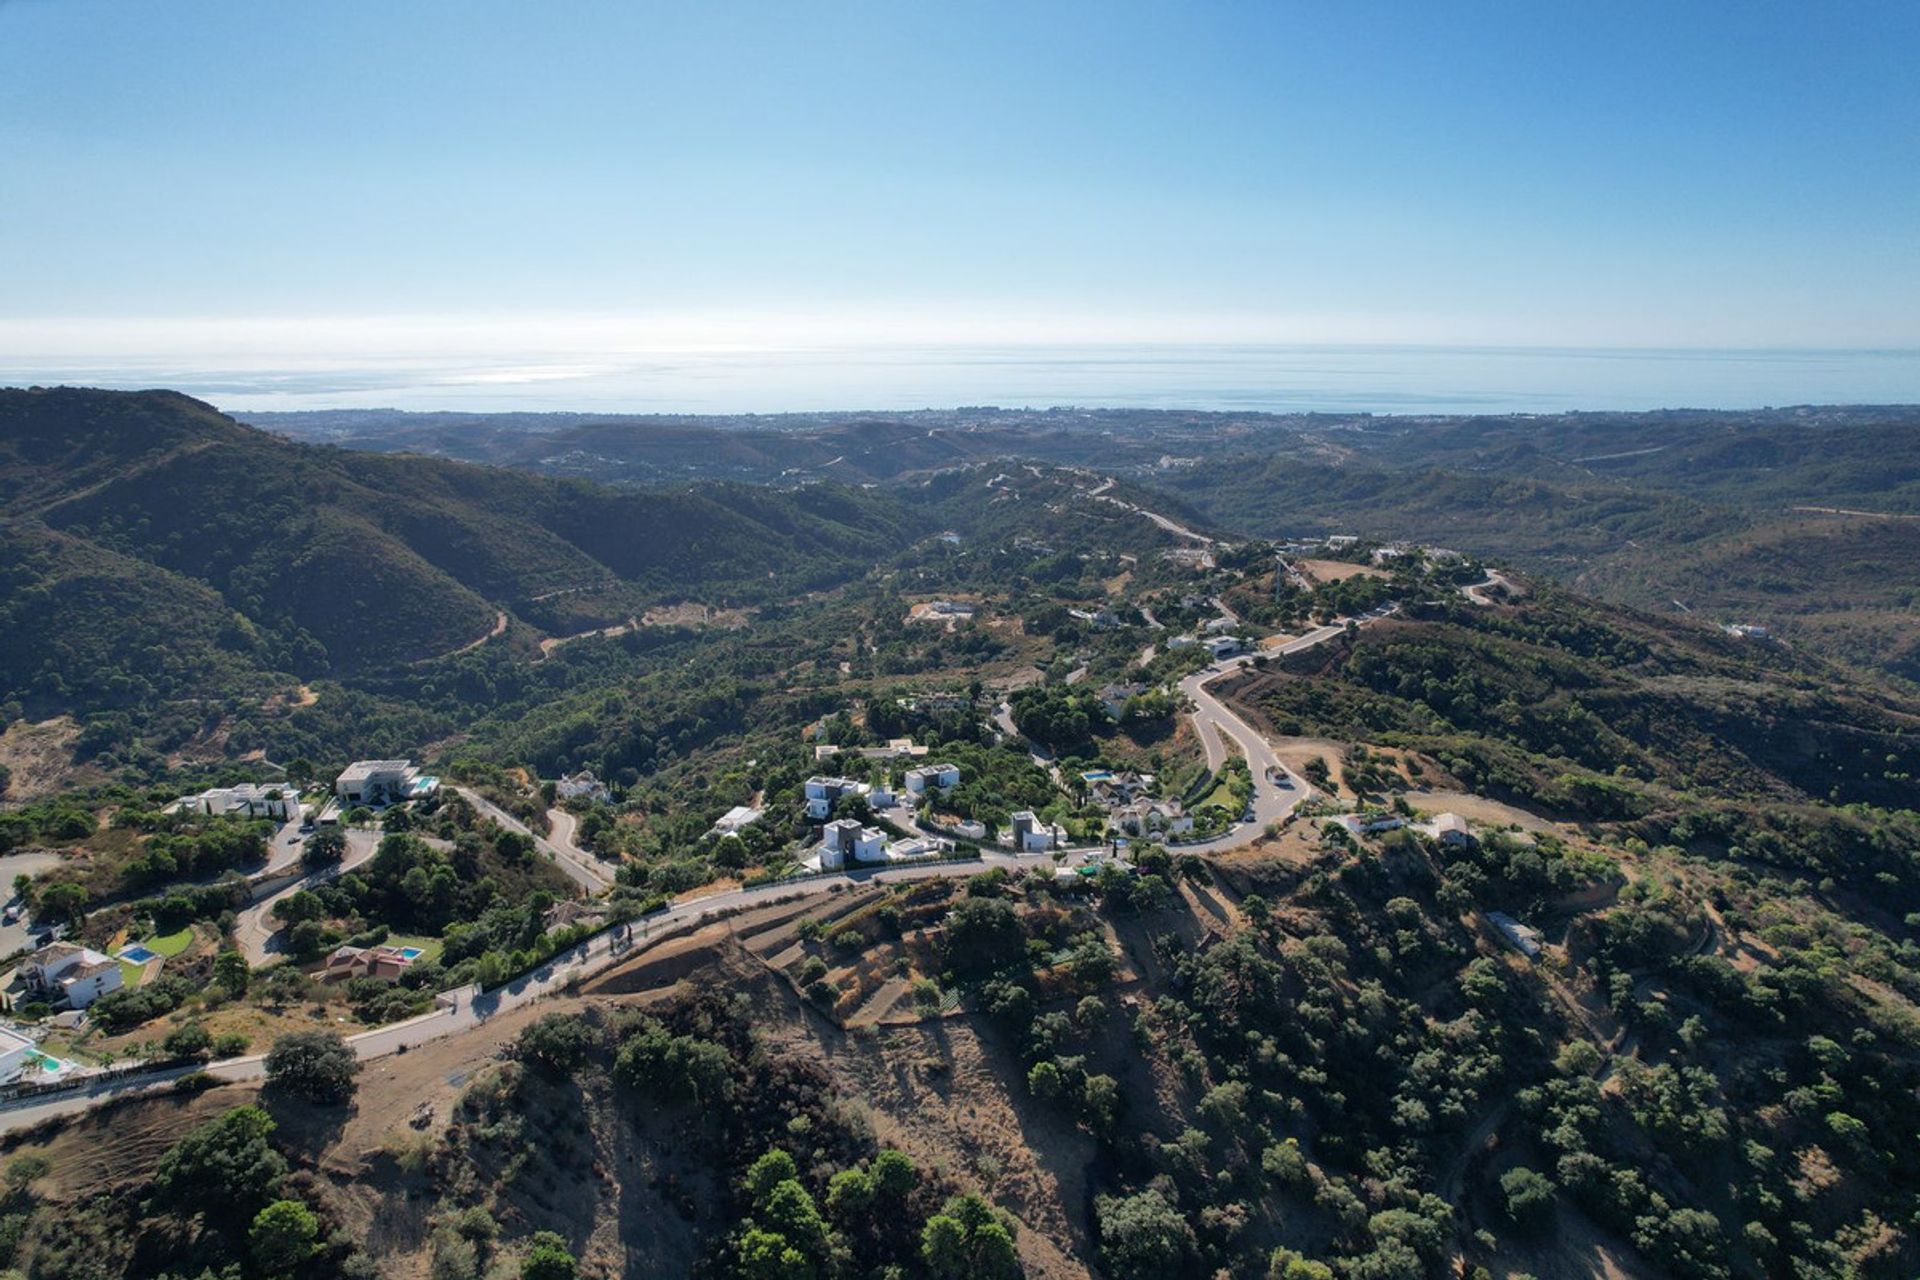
[[412, 953], [137, 954]]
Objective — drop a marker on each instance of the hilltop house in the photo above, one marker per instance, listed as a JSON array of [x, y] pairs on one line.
[[374, 782], [384, 962], [937, 777], [256, 800], [822, 793], [1451, 829], [733, 820], [70, 974], [1030, 835], [582, 786], [16, 1053], [847, 839], [1146, 817], [1522, 938], [1366, 824]]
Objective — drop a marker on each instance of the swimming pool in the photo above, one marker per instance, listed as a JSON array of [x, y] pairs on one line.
[[412, 953], [137, 954]]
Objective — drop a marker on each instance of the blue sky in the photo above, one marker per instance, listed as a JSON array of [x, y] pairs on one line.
[[1625, 174]]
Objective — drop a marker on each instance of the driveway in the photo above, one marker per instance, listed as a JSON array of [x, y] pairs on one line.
[[19, 935]]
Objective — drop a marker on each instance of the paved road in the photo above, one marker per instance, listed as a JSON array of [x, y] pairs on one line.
[[466, 1009], [583, 868], [1216, 724], [19, 935], [253, 927], [1476, 592]]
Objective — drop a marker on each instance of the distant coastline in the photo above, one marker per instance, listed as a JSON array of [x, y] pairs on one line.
[[1283, 379]]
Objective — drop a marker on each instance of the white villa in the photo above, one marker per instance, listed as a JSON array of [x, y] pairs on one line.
[[1223, 646], [382, 782], [734, 819], [16, 1052], [936, 777], [823, 792], [1030, 835], [256, 800], [847, 839], [70, 974], [582, 786]]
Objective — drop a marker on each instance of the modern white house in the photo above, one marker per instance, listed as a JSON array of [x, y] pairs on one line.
[[1029, 834], [733, 820], [847, 840], [382, 782], [823, 792], [1181, 642], [932, 777], [970, 829], [276, 800], [1223, 646], [16, 1054], [918, 847], [582, 786], [70, 974]]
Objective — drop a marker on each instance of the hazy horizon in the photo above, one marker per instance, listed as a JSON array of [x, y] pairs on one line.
[[1278, 378]]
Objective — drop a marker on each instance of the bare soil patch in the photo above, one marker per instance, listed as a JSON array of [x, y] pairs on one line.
[[1338, 570]]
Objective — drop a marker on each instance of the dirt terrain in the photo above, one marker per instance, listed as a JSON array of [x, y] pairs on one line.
[[1338, 570], [40, 758]]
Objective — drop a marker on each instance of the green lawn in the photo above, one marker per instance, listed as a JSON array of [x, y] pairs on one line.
[[170, 944], [431, 946], [130, 973]]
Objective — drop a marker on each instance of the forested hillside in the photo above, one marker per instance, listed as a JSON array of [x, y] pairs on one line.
[[239, 552]]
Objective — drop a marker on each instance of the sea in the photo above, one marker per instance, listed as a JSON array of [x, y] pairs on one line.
[[1280, 379]]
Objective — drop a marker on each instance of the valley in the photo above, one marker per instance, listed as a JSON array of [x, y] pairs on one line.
[[1134, 895]]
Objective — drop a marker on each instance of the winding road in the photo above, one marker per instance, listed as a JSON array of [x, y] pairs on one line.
[[582, 867]]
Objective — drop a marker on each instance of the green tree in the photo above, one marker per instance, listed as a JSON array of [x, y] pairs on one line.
[[231, 974], [789, 1209], [1529, 1196], [850, 1196], [188, 1040], [768, 1172], [548, 1258], [315, 1065], [968, 1240], [283, 1235], [1142, 1237], [676, 1069], [225, 1166], [62, 901], [759, 1254], [326, 847], [895, 1175]]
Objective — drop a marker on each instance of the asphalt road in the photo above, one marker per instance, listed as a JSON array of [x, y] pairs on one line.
[[467, 1009], [19, 934], [253, 926], [582, 867]]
